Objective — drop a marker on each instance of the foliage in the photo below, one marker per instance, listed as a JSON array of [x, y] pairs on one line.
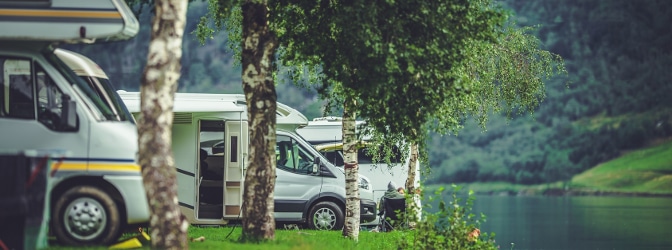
[[395, 58], [453, 226]]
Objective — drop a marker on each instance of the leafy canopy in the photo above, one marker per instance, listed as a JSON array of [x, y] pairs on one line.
[[399, 59]]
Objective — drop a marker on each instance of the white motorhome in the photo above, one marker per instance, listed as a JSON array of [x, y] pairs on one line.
[[326, 134], [97, 189], [212, 130]]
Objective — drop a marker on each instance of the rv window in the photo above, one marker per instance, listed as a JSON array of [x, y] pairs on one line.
[[50, 101], [292, 157], [334, 157], [17, 85], [234, 148]]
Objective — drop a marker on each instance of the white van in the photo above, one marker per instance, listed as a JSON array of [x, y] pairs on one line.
[[97, 189], [210, 144], [326, 135]]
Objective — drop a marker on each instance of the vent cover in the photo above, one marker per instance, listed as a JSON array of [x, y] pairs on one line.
[[182, 118]]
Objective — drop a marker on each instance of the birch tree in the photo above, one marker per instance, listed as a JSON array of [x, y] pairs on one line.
[[256, 44], [157, 93], [350, 142], [259, 45]]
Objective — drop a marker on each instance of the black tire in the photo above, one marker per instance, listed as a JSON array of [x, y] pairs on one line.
[[326, 215], [86, 204]]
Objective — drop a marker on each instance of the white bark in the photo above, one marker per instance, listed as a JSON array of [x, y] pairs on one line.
[[157, 91], [352, 206]]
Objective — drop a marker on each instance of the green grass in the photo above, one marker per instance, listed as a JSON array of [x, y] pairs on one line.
[[227, 238], [647, 170], [293, 239]]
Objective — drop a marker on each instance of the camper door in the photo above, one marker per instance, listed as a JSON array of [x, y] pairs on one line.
[[235, 148]]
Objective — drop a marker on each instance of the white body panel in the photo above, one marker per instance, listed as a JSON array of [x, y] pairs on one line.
[[67, 20]]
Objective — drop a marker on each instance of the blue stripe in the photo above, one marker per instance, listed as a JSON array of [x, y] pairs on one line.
[[38, 7], [59, 19]]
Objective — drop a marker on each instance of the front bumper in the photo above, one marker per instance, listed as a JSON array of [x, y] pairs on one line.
[[367, 210]]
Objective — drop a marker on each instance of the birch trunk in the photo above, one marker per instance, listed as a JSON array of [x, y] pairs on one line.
[[410, 182], [157, 91], [258, 50], [352, 210]]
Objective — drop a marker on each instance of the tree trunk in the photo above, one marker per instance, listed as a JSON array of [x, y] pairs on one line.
[[258, 51], [352, 210], [412, 167], [410, 182], [157, 92]]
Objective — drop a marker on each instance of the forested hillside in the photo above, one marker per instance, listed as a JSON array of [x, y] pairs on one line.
[[618, 54]]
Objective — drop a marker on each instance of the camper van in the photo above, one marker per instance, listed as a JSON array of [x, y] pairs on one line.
[[210, 144], [97, 189], [326, 134]]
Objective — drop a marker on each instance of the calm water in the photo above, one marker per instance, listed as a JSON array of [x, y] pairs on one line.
[[577, 222]]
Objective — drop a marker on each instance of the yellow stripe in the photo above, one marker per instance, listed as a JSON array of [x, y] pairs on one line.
[[68, 166], [114, 167], [60, 13]]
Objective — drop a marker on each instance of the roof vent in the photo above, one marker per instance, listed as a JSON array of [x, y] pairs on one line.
[[182, 118]]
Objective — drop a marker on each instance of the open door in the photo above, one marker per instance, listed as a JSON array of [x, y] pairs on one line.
[[210, 180], [236, 142]]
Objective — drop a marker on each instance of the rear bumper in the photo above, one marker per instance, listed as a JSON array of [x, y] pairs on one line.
[[367, 210]]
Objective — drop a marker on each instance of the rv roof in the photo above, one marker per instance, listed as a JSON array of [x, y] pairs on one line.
[[67, 20], [325, 129], [201, 102], [330, 121], [188, 102]]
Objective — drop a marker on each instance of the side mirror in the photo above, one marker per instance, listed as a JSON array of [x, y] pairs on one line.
[[69, 114], [316, 166]]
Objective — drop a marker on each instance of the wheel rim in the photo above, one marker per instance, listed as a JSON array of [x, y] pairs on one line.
[[84, 218], [324, 219]]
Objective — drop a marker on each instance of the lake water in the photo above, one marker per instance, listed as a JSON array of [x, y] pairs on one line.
[[581, 222]]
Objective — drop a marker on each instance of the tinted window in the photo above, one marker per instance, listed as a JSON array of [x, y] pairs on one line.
[[17, 89], [291, 156]]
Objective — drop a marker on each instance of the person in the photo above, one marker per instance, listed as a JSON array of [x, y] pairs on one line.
[[208, 174], [392, 192]]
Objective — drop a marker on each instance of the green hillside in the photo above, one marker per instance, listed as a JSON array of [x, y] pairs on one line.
[[647, 170]]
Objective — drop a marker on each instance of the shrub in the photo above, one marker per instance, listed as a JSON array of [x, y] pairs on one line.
[[453, 226]]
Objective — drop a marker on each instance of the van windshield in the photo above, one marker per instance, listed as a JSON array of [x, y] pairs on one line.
[[108, 94], [93, 96]]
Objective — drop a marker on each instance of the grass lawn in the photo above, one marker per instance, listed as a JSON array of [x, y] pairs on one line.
[[226, 238], [647, 170]]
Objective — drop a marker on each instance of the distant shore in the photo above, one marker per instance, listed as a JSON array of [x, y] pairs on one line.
[[570, 192], [555, 189]]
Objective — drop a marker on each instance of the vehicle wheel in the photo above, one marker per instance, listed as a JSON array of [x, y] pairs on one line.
[[84, 216], [326, 216]]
